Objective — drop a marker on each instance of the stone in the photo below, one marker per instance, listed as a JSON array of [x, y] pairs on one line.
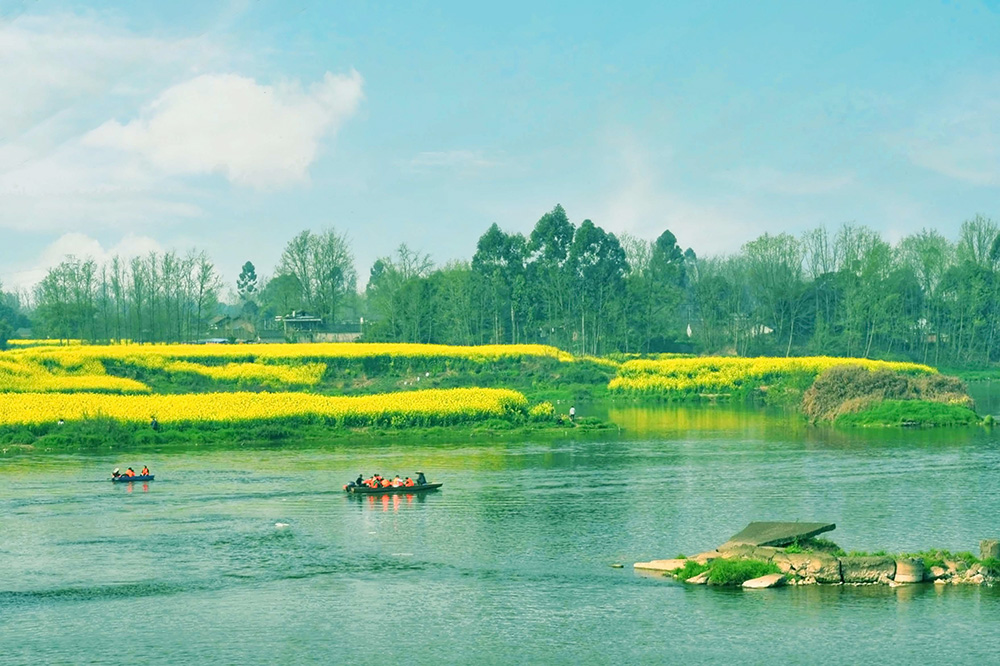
[[956, 565], [938, 572], [798, 561], [706, 557], [824, 568], [661, 565], [739, 551], [783, 563], [770, 580], [989, 548], [777, 534], [909, 570], [859, 570], [700, 579]]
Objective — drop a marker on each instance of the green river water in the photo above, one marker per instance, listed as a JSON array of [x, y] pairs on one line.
[[257, 556]]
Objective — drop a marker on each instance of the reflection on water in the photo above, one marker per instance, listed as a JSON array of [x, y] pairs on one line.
[[257, 556]]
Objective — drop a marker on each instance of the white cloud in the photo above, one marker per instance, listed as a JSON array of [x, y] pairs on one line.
[[959, 138], [80, 246], [59, 64], [644, 205], [254, 134]]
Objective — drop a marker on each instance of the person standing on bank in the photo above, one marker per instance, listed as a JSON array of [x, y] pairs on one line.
[[572, 413]]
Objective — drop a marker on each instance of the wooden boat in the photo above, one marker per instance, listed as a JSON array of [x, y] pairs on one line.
[[365, 490], [130, 479]]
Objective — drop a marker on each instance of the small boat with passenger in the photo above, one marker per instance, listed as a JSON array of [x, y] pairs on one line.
[[378, 485], [129, 476], [129, 479], [365, 490]]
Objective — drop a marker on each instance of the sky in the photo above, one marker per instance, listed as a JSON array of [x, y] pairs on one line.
[[230, 127]]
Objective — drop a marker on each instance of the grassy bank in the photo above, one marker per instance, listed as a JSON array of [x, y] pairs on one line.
[[104, 434]]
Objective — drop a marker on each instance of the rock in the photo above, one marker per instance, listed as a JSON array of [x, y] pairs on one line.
[[824, 568], [857, 570], [706, 557], [973, 570], [909, 570], [938, 572], [700, 579], [989, 548], [977, 579], [956, 565], [783, 563], [770, 580], [661, 565], [739, 551], [798, 561]]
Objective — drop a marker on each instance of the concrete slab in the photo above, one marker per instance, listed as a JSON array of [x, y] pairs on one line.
[[661, 565], [776, 534], [764, 582]]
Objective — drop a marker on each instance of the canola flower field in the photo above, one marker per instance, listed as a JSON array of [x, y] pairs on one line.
[[723, 375], [424, 408], [45, 384], [69, 368]]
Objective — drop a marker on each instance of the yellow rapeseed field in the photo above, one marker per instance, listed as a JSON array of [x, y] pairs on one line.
[[724, 374], [430, 407], [18, 375]]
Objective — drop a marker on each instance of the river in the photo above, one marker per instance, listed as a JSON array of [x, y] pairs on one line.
[[256, 556]]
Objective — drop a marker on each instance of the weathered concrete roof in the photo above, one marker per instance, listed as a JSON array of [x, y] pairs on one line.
[[777, 534]]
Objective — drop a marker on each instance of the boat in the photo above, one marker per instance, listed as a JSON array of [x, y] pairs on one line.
[[130, 479], [365, 490]]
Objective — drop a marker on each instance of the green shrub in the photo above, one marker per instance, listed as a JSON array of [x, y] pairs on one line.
[[737, 572], [991, 566], [690, 570], [852, 395]]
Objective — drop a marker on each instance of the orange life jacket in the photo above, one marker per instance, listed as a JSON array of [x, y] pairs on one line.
[[386, 483], [129, 473], [145, 471], [409, 482]]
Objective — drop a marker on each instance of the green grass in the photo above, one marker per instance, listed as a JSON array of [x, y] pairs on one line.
[[815, 545], [103, 434], [690, 570], [737, 572], [899, 413]]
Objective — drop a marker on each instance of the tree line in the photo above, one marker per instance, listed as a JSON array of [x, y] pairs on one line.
[[844, 292]]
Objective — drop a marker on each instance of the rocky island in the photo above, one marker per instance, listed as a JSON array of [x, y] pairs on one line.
[[770, 554]]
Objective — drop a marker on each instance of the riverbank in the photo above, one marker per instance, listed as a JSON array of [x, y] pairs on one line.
[[105, 435]]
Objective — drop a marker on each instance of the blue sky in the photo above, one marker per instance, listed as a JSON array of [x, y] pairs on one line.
[[229, 127]]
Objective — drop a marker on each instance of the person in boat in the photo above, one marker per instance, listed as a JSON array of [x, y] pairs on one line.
[[130, 472], [397, 482], [421, 479], [359, 481], [115, 474], [145, 471], [386, 483], [408, 483]]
